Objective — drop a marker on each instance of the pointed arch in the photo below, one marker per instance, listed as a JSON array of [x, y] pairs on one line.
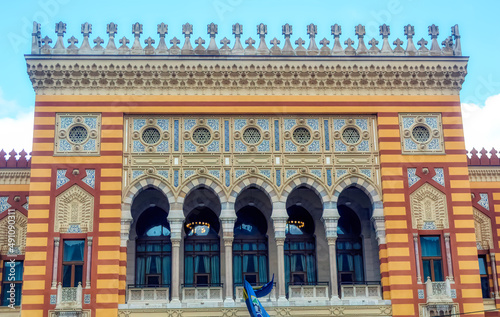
[[206, 181], [482, 224], [364, 184], [306, 181], [256, 181]]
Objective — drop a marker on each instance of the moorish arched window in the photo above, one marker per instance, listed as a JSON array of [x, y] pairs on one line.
[[349, 247], [250, 252], [153, 249]]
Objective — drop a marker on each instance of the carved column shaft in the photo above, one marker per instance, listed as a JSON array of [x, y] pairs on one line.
[[494, 273], [448, 255], [280, 242], [332, 250], [56, 260], [175, 269], [89, 261], [417, 258], [228, 235]]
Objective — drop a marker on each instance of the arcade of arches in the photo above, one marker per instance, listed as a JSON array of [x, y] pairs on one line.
[[206, 244]]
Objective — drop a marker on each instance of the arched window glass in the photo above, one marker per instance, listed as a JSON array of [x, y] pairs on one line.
[[153, 249], [300, 246], [349, 247], [250, 254], [201, 249]]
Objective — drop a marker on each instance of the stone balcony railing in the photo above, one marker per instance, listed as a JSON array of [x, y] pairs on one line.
[[367, 290], [202, 294], [69, 297], [238, 293], [438, 292], [318, 292], [137, 294]]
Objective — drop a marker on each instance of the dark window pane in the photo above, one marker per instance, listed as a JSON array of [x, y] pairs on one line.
[[73, 250], [482, 266], [202, 280], [427, 269], [485, 287], [66, 280], [431, 246], [8, 294], [78, 274], [438, 271], [13, 269]]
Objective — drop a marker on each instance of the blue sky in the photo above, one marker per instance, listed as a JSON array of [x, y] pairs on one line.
[[478, 25]]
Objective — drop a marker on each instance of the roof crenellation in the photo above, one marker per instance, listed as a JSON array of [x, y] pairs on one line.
[[451, 44]]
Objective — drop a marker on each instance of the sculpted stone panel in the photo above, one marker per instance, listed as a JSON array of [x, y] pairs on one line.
[[20, 223], [74, 211], [484, 236], [229, 148], [77, 134], [428, 209]]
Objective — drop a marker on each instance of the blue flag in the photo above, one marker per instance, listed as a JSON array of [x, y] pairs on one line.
[[250, 295]]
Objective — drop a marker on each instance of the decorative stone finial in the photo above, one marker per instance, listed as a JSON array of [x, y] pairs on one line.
[[447, 46], [162, 30], [86, 31], [336, 32], [237, 31], [349, 49], [124, 49], [457, 48], [36, 38], [423, 50], [275, 49], [60, 30], [434, 32], [72, 48], [287, 48], [149, 49], [300, 50], [225, 49], [200, 49], [385, 31], [250, 49], [212, 30], [398, 50], [262, 31], [111, 29], [187, 30], [175, 50], [374, 50], [360, 32], [312, 30], [324, 50], [98, 49], [46, 49], [136, 48], [410, 47]]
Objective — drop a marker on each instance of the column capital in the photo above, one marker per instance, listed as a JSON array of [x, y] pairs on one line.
[[228, 241], [57, 241], [176, 242], [447, 236], [280, 241], [332, 240], [89, 240]]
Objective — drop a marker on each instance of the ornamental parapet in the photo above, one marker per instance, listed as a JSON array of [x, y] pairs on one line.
[[245, 70]]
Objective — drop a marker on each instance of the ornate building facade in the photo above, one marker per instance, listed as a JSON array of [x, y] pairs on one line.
[[163, 176]]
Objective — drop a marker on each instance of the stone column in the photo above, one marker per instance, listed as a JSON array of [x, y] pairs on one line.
[[448, 255], [330, 221], [89, 261], [56, 262], [417, 257], [279, 222], [175, 218], [332, 251], [228, 236], [494, 273]]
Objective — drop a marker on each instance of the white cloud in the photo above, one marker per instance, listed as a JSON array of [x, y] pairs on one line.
[[482, 124], [17, 133]]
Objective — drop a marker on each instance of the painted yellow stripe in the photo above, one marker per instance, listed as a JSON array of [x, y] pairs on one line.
[[109, 240], [399, 266], [388, 133], [108, 255], [465, 237], [35, 256], [34, 270], [460, 197], [106, 312], [109, 227], [469, 279], [388, 120], [110, 213], [112, 120], [36, 242], [471, 307], [15, 188], [458, 145], [390, 146], [40, 186], [400, 237], [38, 214], [486, 185], [43, 146], [110, 199], [392, 171], [111, 172], [394, 197], [394, 211], [107, 283], [42, 200], [453, 132], [50, 121], [112, 133], [73, 159], [464, 223], [32, 299], [472, 293], [106, 298], [452, 120], [33, 285], [458, 170], [31, 313], [400, 280], [44, 133], [468, 265], [393, 184], [403, 309], [459, 184], [396, 224], [403, 294], [461, 210], [422, 158], [191, 98], [41, 172], [108, 269], [38, 227], [398, 252]]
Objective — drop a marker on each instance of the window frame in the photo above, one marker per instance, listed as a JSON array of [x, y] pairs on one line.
[[73, 264], [5, 280], [252, 239], [305, 238], [194, 240], [487, 275], [441, 258], [161, 240]]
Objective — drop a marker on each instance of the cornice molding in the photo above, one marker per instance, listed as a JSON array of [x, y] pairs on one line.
[[15, 176], [484, 174], [252, 75]]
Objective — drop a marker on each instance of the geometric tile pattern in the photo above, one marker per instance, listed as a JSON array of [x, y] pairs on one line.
[[61, 178], [4, 205], [77, 134], [421, 133], [412, 177], [439, 177], [90, 178], [483, 201]]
